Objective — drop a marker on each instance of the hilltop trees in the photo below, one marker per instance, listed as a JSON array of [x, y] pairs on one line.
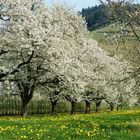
[[95, 16], [110, 11]]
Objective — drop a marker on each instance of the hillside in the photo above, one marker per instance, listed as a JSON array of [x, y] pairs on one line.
[[126, 46]]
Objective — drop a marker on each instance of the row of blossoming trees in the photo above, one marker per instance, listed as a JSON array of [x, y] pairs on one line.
[[49, 49]]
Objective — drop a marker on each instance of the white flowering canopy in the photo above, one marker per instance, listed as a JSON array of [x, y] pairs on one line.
[[56, 41]]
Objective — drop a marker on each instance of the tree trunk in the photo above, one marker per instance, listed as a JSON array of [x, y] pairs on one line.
[[98, 106], [118, 107], [87, 111], [54, 108], [111, 104], [24, 108], [111, 107], [25, 99], [73, 108], [26, 94]]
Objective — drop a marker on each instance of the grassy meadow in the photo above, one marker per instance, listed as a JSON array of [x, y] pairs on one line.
[[126, 47], [117, 125]]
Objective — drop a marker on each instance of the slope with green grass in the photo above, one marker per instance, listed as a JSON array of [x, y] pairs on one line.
[[126, 46]]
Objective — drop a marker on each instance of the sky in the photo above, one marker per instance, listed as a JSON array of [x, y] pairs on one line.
[[76, 4], [79, 4]]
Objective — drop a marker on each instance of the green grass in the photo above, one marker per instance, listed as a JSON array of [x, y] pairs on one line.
[[121, 125], [127, 47]]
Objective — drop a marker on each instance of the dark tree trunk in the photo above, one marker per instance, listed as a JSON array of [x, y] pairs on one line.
[[24, 108], [98, 106], [111, 107], [26, 92], [118, 107], [73, 108], [111, 104], [87, 111], [54, 108], [25, 99]]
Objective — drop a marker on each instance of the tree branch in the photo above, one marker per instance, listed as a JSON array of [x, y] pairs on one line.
[[3, 52], [2, 75], [23, 63], [133, 30]]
